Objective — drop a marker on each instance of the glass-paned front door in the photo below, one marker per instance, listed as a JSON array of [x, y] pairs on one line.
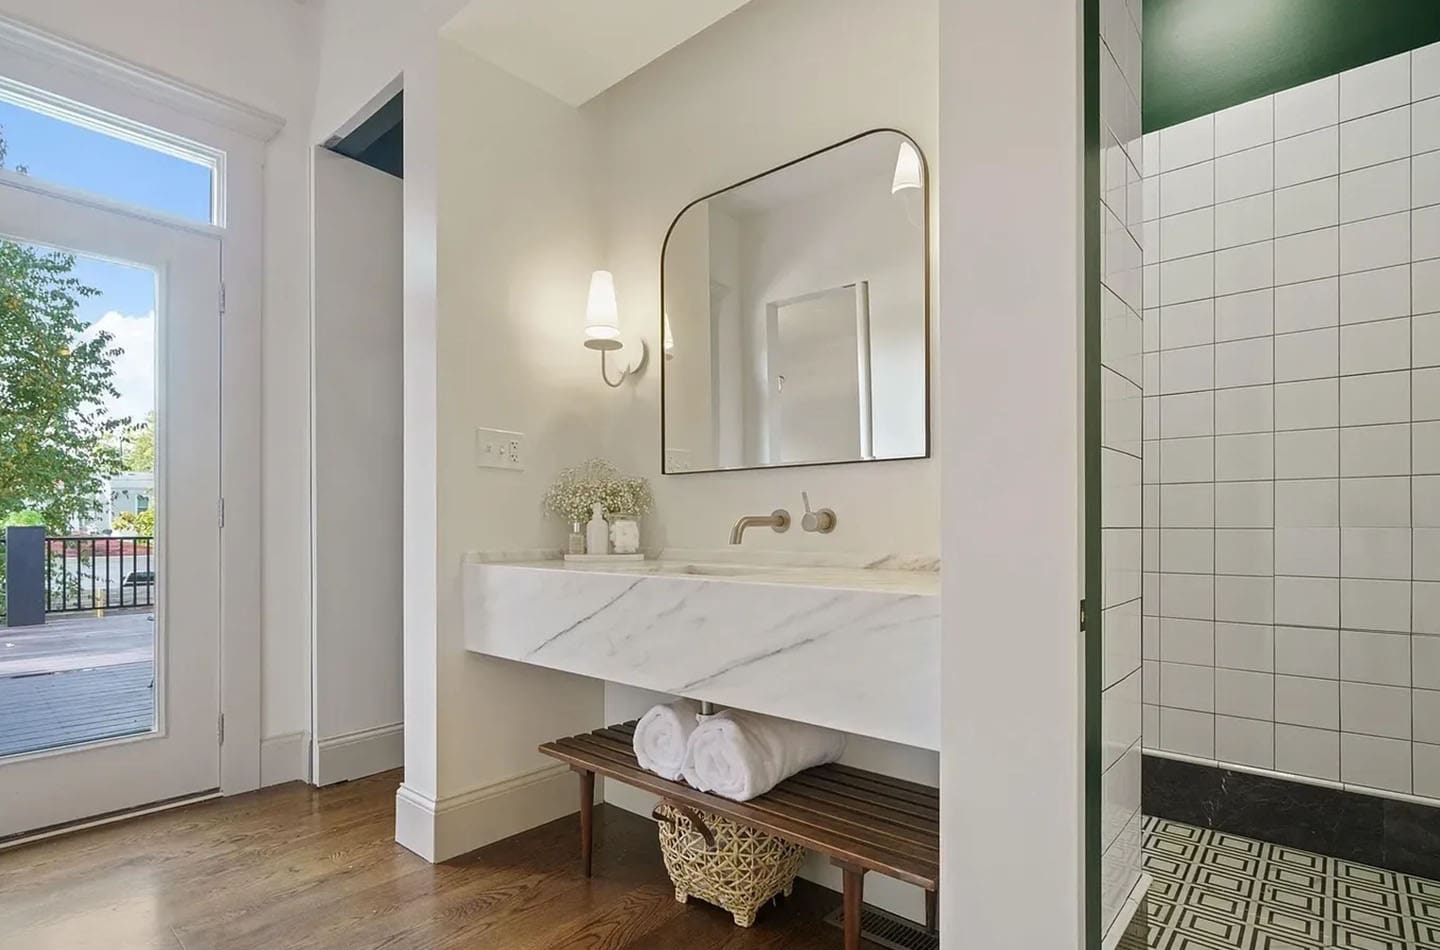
[[109, 490], [77, 481]]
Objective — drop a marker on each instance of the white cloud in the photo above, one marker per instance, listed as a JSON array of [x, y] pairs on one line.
[[134, 369]]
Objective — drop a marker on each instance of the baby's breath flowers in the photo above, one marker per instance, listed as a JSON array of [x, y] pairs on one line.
[[577, 490]]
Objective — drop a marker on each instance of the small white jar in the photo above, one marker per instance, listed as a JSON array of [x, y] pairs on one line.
[[624, 534]]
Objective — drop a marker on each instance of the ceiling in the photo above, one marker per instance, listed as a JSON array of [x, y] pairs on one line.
[[576, 49]]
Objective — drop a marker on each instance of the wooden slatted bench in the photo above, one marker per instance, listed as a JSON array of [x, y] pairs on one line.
[[862, 821]]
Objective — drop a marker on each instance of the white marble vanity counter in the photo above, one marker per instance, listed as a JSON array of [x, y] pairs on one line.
[[924, 583], [842, 645]]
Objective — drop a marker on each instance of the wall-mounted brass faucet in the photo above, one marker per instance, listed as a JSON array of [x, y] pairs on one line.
[[777, 521], [822, 521]]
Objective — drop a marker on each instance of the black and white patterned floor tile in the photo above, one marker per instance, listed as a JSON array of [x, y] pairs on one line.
[[1216, 891]]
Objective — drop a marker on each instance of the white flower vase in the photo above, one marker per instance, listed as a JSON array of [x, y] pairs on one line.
[[624, 534]]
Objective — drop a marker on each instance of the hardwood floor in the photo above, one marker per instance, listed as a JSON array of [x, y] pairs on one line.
[[295, 868]]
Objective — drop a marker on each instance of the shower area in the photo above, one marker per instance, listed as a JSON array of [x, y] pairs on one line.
[[1269, 468]]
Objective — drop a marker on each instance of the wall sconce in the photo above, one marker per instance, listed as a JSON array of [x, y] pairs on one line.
[[908, 173], [602, 328]]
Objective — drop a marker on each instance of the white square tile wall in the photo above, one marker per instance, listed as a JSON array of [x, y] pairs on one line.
[[1124, 284], [1291, 420]]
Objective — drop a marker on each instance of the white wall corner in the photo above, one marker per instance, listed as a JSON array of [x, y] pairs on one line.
[[439, 830], [1011, 761], [285, 758], [358, 754]]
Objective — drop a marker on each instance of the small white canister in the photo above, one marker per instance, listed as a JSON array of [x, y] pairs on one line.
[[624, 534]]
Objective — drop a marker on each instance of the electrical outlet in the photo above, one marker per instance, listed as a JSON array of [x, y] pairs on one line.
[[500, 448]]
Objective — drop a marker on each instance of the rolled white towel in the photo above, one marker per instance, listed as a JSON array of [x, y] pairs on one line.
[[742, 755], [663, 735]]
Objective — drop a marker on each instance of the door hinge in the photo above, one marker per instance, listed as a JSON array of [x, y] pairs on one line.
[[220, 511], [222, 298], [220, 728], [1082, 615]]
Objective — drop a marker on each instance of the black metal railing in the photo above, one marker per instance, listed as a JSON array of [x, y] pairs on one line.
[[93, 572]]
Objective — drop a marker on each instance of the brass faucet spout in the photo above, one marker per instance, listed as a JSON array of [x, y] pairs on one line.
[[777, 521]]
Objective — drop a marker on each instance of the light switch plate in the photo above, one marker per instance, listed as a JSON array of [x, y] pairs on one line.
[[500, 448]]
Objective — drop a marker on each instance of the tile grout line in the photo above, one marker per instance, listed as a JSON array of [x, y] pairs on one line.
[[1274, 461], [1160, 333], [1339, 529], [1214, 372]]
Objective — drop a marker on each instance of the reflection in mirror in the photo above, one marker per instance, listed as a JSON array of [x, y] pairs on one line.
[[795, 315]]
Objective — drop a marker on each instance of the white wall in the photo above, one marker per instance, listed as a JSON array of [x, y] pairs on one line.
[[471, 726], [357, 419], [765, 85], [1011, 280], [260, 53], [364, 46], [516, 245], [776, 80]]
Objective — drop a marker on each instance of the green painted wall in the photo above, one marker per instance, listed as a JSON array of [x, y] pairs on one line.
[[1205, 55]]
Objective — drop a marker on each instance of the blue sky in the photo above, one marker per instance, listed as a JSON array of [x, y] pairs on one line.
[[79, 158], [92, 161]]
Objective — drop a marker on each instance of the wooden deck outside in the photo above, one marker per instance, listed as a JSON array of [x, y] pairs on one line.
[[76, 679]]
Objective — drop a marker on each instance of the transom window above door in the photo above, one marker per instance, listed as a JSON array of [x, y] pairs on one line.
[[63, 142]]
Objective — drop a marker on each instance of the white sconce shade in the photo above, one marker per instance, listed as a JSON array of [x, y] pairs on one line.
[[667, 339], [908, 171], [602, 314]]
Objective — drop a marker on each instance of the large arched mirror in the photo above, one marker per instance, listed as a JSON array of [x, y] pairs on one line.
[[795, 310]]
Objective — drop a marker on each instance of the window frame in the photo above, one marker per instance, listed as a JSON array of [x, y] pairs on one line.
[[30, 98]]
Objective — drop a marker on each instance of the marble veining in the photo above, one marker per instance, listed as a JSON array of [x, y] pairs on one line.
[[855, 649]]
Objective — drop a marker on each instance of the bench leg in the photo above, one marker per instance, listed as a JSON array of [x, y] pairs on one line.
[[854, 897], [587, 818], [932, 911]]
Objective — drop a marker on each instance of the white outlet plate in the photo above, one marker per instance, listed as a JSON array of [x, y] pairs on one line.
[[500, 448]]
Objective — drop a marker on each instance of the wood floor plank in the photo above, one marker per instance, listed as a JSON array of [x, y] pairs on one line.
[[296, 868]]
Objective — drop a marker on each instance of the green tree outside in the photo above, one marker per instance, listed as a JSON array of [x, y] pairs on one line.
[[58, 441], [142, 523], [140, 445]]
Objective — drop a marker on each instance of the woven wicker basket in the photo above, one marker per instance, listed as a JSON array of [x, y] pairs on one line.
[[723, 862]]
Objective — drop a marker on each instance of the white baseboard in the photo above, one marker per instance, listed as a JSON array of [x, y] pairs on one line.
[[886, 893], [358, 754], [439, 830], [285, 758]]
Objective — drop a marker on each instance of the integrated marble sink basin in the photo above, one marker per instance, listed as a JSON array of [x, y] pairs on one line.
[[846, 646], [708, 570]]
